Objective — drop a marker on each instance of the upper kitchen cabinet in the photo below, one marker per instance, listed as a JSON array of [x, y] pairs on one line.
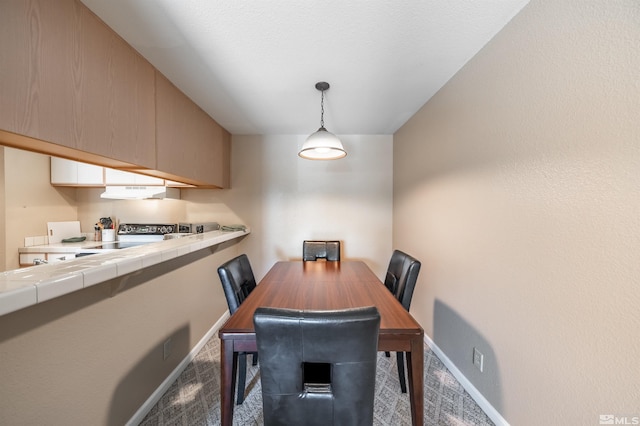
[[121, 177], [73, 173], [68, 79], [189, 143]]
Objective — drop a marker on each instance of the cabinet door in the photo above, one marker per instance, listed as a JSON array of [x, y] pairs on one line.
[[88, 174], [37, 44], [189, 143], [117, 96], [119, 177], [59, 257], [72, 173], [63, 172], [67, 78]]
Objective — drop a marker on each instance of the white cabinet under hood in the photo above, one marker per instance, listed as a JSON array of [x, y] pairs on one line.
[[72, 173], [140, 192], [121, 177]]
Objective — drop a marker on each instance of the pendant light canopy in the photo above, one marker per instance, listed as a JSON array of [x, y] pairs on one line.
[[322, 145]]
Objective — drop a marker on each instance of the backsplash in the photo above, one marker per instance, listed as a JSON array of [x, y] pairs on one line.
[[36, 241]]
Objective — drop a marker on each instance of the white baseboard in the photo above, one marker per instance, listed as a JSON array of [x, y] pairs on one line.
[[482, 402], [164, 386]]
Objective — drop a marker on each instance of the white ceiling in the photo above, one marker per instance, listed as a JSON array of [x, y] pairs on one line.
[[253, 64]]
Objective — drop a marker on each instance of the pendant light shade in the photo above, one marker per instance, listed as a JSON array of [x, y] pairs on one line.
[[322, 145]]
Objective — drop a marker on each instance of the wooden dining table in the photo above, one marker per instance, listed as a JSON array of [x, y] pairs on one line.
[[323, 285]]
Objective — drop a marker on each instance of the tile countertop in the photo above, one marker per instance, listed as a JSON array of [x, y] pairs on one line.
[[59, 247], [25, 287]]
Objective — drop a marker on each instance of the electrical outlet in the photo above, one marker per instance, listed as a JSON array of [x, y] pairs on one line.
[[166, 349], [478, 359]]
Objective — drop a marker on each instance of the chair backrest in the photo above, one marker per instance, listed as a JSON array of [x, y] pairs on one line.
[[313, 250], [237, 280], [401, 277], [340, 345]]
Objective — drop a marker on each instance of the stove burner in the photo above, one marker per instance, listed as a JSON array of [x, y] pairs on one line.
[[145, 231]]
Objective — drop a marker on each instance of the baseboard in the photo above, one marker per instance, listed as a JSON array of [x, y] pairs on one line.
[[482, 402], [164, 386]]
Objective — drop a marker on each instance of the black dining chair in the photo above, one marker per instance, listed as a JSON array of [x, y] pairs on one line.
[[401, 278], [317, 368], [314, 250], [238, 281]]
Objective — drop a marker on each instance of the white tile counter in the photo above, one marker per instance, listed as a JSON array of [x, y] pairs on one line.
[[25, 287], [59, 247]]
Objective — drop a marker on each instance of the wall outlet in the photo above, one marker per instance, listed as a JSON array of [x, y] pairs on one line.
[[478, 359], [166, 349]]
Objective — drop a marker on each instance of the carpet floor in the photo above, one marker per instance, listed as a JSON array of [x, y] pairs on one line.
[[194, 398]]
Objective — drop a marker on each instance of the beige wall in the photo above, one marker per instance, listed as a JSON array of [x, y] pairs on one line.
[[93, 357], [518, 186], [30, 200], [287, 199], [3, 214], [284, 199]]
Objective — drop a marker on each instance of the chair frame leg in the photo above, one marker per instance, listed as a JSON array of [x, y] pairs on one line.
[[242, 377], [403, 381]]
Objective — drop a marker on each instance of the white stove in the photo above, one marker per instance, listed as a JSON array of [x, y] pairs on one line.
[[132, 235], [145, 232]]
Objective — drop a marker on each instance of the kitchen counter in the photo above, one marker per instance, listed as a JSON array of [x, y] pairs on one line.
[[60, 247], [25, 287]]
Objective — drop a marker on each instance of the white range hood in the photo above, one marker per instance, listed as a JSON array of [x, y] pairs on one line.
[[137, 192]]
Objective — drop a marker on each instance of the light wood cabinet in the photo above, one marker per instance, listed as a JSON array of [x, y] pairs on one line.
[[69, 79], [73, 173], [189, 143], [72, 88]]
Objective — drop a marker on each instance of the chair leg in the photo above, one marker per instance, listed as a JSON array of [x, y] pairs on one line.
[[254, 358], [403, 382], [242, 377]]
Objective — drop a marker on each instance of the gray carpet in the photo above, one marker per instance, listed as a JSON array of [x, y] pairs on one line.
[[194, 398]]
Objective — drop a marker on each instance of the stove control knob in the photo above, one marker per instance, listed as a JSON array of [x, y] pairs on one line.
[[169, 229]]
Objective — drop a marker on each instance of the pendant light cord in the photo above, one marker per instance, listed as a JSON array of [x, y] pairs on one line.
[[322, 110]]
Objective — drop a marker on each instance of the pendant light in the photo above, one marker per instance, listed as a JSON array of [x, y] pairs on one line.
[[322, 145]]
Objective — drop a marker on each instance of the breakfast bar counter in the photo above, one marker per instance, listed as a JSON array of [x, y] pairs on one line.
[[25, 287]]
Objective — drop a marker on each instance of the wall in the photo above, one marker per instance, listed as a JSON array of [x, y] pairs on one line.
[[287, 199], [3, 229], [518, 186], [94, 356], [30, 200]]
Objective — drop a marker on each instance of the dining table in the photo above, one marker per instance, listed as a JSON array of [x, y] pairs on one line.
[[323, 285]]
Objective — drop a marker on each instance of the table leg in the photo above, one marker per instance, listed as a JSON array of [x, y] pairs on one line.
[[228, 366], [415, 371]]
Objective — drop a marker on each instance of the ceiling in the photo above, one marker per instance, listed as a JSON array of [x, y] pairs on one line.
[[253, 64]]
